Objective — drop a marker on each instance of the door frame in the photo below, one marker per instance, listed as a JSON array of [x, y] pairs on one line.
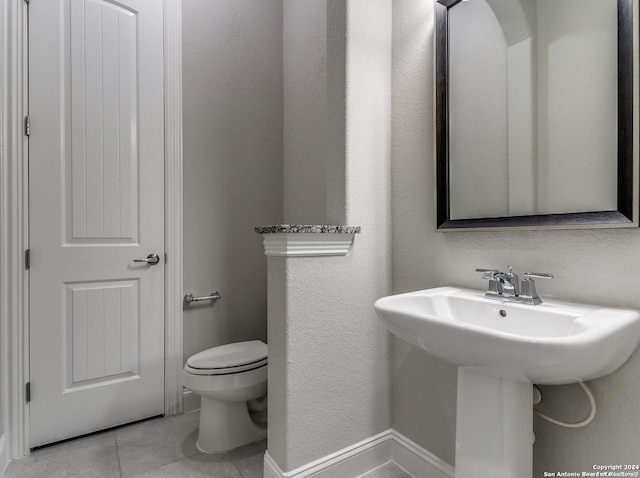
[[14, 221]]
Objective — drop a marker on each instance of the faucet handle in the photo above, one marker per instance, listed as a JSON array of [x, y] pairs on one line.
[[529, 295], [488, 273], [495, 287], [537, 275]]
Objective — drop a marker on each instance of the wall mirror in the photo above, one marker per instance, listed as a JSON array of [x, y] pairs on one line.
[[535, 114]]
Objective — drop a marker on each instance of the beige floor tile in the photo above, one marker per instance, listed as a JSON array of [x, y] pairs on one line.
[[91, 457], [249, 460], [196, 466], [388, 470], [154, 443]]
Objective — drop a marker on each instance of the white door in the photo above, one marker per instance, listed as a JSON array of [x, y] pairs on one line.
[[96, 172]]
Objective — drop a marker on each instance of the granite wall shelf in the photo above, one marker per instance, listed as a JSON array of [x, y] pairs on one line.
[[289, 240]]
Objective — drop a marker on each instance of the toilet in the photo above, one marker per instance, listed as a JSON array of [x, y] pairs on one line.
[[232, 382]]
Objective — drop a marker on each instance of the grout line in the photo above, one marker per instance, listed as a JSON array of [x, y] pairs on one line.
[[407, 473], [368, 473], [115, 434], [144, 472], [235, 466], [156, 467]]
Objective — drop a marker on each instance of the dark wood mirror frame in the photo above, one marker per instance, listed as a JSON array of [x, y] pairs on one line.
[[622, 217]]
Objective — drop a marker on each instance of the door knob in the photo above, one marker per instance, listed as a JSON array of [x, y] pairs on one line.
[[152, 259]]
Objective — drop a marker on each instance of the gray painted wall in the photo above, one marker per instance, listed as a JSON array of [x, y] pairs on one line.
[[232, 80], [593, 266], [305, 111], [1, 395]]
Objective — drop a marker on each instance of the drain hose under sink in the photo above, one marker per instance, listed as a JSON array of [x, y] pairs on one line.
[[581, 423]]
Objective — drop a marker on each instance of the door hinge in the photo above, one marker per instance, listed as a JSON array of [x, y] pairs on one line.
[[27, 124], [27, 259], [27, 392]]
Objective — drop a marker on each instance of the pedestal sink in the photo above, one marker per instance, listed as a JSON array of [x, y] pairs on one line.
[[501, 349]]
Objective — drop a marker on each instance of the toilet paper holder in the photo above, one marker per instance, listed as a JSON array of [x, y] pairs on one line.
[[214, 296]]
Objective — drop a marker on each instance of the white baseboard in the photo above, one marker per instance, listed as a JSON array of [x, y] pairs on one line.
[[4, 456], [417, 461], [366, 455], [190, 401], [348, 462]]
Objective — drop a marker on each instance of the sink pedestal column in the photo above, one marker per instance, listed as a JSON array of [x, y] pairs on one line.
[[494, 427]]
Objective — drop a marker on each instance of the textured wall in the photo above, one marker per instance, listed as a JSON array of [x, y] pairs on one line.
[[594, 266], [232, 74], [329, 356]]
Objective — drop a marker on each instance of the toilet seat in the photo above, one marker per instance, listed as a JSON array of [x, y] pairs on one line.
[[228, 359]]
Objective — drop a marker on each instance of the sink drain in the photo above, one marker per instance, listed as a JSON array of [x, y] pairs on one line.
[[503, 313]]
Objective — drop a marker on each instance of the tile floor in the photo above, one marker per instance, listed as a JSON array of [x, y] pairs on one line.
[[158, 448], [388, 470]]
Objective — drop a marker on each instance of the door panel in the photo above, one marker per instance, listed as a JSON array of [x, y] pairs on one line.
[[97, 204], [104, 87], [101, 326]]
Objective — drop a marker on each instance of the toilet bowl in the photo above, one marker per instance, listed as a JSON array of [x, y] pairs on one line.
[[226, 378]]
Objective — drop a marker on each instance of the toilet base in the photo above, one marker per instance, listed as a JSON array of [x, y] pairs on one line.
[[225, 426]]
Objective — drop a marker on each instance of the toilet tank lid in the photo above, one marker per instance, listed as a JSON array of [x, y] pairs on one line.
[[229, 355]]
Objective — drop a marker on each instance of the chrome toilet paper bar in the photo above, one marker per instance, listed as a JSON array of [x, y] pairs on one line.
[[188, 298]]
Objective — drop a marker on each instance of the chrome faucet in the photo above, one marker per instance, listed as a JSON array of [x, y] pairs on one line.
[[510, 283], [507, 286]]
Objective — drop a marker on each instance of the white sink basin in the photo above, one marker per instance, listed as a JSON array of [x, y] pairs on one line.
[[552, 343]]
